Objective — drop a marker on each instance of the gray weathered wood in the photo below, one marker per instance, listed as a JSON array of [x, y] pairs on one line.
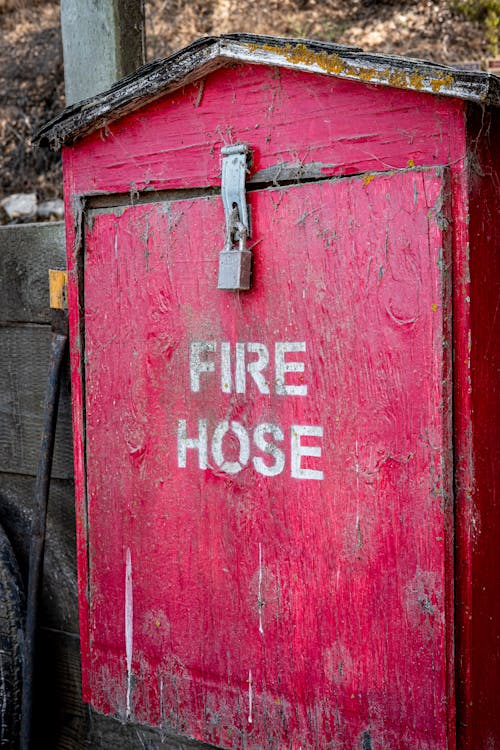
[[61, 720], [24, 354], [102, 41], [27, 251], [107, 733], [59, 609], [192, 63]]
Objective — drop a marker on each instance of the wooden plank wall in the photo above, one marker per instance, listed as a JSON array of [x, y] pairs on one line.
[[63, 721]]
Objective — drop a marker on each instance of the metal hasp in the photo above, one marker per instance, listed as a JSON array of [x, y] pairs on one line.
[[235, 260]]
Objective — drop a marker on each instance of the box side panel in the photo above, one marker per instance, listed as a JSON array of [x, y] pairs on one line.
[[310, 125], [478, 557]]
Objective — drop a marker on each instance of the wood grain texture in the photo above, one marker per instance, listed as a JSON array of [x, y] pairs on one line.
[[27, 253], [101, 42], [61, 719], [292, 596], [59, 600], [288, 118], [477, 398], [24, 353]]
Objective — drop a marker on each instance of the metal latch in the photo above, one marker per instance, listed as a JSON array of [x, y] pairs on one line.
[[235, 260]]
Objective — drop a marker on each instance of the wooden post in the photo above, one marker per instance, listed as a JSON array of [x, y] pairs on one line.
[[102, 42]]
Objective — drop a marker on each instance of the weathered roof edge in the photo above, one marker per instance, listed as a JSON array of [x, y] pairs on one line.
[[193, 62]]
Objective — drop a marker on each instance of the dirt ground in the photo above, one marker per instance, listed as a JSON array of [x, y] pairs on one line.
[[31, 67]]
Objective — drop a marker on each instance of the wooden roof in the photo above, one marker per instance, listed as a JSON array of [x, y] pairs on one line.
[[193, 62]]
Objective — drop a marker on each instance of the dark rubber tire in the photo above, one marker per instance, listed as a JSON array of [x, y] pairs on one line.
[[11, 644]]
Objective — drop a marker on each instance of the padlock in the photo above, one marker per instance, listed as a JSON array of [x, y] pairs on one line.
[[235, 265]]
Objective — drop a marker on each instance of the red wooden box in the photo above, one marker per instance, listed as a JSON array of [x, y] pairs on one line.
[[287, 497]]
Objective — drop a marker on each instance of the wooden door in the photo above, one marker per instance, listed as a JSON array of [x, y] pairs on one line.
[[269, 472]]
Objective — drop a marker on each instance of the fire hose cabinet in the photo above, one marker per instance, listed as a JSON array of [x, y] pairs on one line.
[[283, 259]]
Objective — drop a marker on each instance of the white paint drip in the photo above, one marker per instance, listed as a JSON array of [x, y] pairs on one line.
[[250, 697], [162, 705], [260, 603], [129, 627]]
